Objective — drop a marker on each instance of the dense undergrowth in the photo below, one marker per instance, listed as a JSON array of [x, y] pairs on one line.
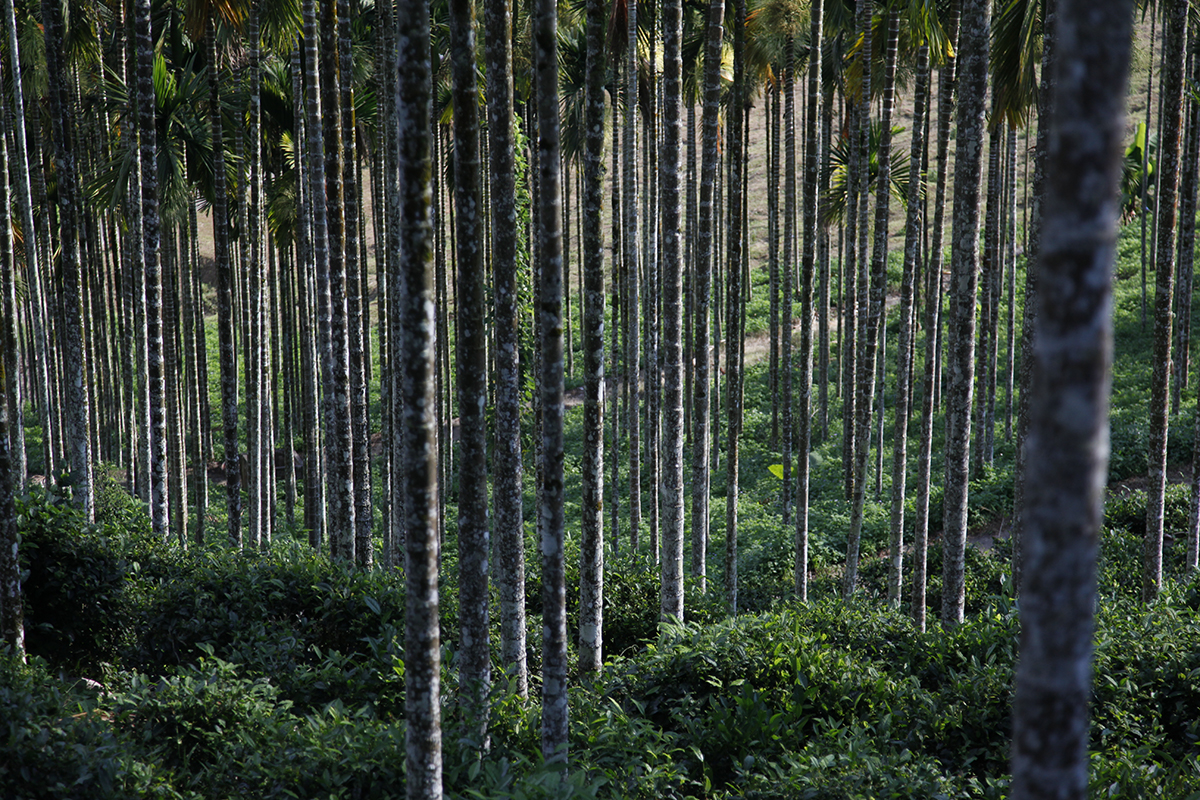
[[211, 674], [156, 672]]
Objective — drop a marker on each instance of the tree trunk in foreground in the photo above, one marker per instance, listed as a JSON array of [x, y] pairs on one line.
[[672, 309], [415, 301], [591, 569], [549, 305], [1068, 433]]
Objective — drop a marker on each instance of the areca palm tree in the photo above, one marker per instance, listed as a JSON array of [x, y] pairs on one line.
[[1174, 40], [508, 469], [972, 84], [551, 521], [709, 168], [75, 361], [414, 407], [591, 600], [1068, 438], [203, 17], [470, 372], [672, 283]]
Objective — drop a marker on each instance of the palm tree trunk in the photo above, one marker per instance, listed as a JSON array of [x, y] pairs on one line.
[[1032, 259], [75, 350], [632, 299], [225, 310], [415, 410], [1171, 93], [733, 339], [701, 404], [1068, 434], [591, 569], [789, 270], [1187, 244], [12, 609], [912, 241], [19, 167], [972, 86], [813, 152], [549, 256], [358, 344], [13, 460], [471, 375], [508, 489], [332, 301], [670, 165]]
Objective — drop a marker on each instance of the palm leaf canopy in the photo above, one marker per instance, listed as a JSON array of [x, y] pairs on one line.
[[833, 204], [1016, 52]]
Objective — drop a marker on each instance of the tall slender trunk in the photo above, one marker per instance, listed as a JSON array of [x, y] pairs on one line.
[[912, 241], [1174, 38], [813, 152], [591, 569], [75, 351], [733, 338], [701, 405], [964, 263], [789, 270], [471, 375], [1068, 434], [508, 489], [632, 299], [549, 256], [12, 609], [332, 292], [19, 167], [1032, 259], [225, 310], [357, 306], [670, 165], [415, 409], [871, 289]]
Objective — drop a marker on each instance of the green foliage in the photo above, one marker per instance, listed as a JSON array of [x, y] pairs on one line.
[[55, 744], [78, 594]]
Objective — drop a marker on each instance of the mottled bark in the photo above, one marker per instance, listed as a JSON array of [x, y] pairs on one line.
[[591, 569], [1174, 38], [257, 373], [964, 269], [357, 307], [331, 305], [75, 366], [415, 409], [733, 338], [12, 610], [14, 395], [912, 245], [470, 372], [508, 489], [19, 168], [871, 290], [701, 406], [225, 310], [314, 485], [549, 305], [632, 298], [808, 267], [1068, 434], [671, 449]]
